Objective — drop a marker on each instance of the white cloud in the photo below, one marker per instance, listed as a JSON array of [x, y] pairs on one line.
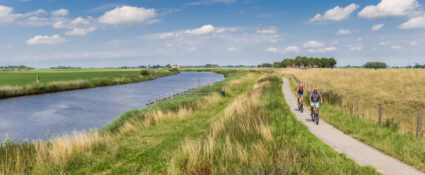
[[385, 43], [166, 35], [343, 32], [60, 12], [79, 20], [377, 27], [413, 43], [270, 30], [322, 50], [127, 15], [387, 8], [202, 30], [359, 39], [335, 42], [289, 49], [59, 25], [313, 44], [231, 49], [45, 39], [272, 50], [80, 31], [355, 47], [416, 22], [336, 14], [395, 47], [6, 14]]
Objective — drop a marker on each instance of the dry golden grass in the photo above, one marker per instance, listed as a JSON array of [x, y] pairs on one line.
[[221, 146], [401, 91]]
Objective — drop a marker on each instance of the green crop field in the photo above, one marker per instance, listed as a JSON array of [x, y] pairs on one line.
[[22, 78]]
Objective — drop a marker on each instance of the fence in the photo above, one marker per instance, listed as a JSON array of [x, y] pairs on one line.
[[334, 98]]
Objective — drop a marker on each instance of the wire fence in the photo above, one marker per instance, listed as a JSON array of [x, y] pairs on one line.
[[352, 107]]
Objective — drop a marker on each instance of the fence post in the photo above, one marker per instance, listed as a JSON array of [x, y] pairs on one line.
[[160, 98], [418, 128], [380, 114], [156, 99], [340, 101], [357, 107], [149, 102]]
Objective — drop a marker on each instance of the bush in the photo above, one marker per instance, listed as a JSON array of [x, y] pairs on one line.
[[145, 73]]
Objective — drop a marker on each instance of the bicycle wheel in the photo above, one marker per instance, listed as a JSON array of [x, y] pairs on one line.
[[317, 119], [312, 117], [301, 108]]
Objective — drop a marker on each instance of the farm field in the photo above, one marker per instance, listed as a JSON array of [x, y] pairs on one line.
[[250, 130], [400, 91], [22, 78], [22, 83]]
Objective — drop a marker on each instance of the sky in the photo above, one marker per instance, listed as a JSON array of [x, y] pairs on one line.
[[106, 33]]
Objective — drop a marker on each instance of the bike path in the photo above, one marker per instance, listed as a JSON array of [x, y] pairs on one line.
[[361, 153]]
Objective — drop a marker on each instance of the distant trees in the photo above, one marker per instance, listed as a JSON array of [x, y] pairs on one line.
[[211, 65], [418, 66], [15, 68], [265, 65], [375, 65], [302, 61], [65, 67]]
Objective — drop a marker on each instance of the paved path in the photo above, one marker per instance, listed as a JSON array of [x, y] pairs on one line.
[[352, 148]]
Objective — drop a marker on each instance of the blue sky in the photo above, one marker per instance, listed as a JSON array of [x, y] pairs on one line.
[[96, 33]]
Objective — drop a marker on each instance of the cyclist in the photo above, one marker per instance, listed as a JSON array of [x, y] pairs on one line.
[[300, 93], [314, 100]]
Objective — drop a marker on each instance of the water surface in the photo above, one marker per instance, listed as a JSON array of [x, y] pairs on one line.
[[36, 117]]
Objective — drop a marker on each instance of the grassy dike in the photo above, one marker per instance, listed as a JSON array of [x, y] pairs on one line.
[[257, 134], [385, 138], [77, 81], [250, 130]]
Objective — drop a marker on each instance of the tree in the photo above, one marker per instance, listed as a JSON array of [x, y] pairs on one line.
[[332, 62], [265, 65], [375, 65], [277, 64]]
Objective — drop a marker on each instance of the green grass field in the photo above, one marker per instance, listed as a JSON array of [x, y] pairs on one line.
[[22, 78], [14, 84], [249, 131]]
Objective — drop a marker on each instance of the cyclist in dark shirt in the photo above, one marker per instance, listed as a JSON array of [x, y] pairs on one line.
[[314, 100]]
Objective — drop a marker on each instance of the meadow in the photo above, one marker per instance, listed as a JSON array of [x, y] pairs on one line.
[[386, 137], [22, 78], [250, 130], [400, 91], [22, 83]]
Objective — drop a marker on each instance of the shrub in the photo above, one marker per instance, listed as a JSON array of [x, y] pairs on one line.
[[145, 73]]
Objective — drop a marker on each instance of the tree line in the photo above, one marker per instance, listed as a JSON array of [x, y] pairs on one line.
[[302, 61], [15, 68]]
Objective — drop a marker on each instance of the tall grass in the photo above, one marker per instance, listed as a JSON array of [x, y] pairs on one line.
[[258, 135], [65, 153], [56, 86], [385, 137], [400, 91]]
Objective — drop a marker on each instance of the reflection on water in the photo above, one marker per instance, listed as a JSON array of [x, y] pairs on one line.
[[34, 117]]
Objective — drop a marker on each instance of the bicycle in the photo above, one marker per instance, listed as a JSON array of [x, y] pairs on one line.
[[315, 116], [300, 105]]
